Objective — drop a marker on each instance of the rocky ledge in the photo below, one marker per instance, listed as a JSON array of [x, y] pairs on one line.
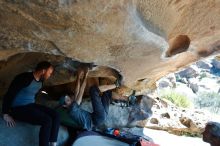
[[24, 134]]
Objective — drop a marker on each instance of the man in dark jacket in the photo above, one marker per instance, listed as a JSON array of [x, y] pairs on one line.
[[19, 103]]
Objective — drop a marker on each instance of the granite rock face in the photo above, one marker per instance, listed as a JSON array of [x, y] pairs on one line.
[[142, 39]]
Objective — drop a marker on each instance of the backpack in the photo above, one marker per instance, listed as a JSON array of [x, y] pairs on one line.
[[127, 137]]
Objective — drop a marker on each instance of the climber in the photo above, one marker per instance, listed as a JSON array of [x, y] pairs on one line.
[[19, 103], [212, 133], [100, 98]]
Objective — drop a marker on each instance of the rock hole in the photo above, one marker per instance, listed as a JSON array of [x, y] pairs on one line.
[[178, 45]]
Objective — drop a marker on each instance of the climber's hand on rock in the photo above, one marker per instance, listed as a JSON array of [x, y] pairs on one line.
[[9, 120]]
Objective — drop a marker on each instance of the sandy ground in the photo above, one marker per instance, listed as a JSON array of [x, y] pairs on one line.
[[163, 138]]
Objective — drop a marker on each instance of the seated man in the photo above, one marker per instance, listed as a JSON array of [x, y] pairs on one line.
[[19, 103], [212, 133], [100, 103]]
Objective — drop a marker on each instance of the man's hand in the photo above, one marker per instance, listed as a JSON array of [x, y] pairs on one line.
[[80, 74], [86, 70], [9, 120]]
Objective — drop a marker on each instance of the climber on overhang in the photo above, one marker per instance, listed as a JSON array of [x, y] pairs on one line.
[[100, 98]]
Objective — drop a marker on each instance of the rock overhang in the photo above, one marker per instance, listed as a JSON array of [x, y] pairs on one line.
[[129, 36]]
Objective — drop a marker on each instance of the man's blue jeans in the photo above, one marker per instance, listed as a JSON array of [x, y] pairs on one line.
[[100, 105]]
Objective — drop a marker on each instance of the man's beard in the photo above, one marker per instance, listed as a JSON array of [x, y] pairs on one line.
[[42, 79]]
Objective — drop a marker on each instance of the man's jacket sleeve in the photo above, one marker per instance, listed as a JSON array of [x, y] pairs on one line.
[[16, 85]]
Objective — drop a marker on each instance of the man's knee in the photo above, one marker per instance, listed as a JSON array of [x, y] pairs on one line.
[[46, 121], [56, 117]]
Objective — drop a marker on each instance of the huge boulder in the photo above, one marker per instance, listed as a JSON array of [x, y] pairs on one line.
[[189, 72], [169, 81], [193, 84], [216, 67], [164, 84], [203, 65], [216, 63]]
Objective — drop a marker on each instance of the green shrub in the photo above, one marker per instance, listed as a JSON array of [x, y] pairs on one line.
[[176, 98], [209, 101], [190, 134], [203, 75]]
